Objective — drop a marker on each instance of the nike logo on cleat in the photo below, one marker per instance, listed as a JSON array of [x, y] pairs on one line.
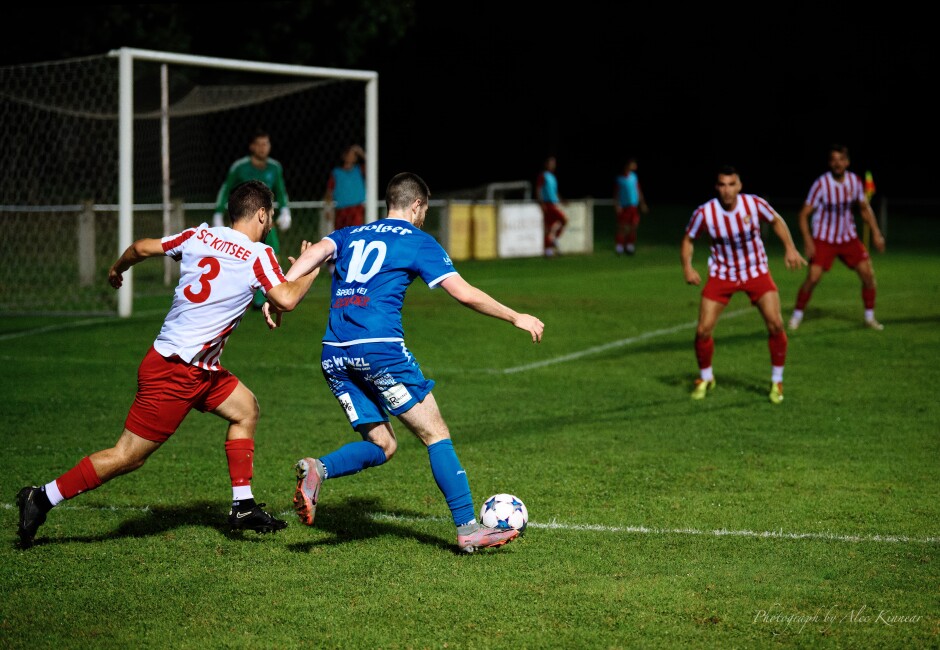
[[242, 515]]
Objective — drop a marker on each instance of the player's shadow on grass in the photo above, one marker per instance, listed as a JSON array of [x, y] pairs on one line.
[[730, 383], [853, 320], [353, 519], [157, 520]]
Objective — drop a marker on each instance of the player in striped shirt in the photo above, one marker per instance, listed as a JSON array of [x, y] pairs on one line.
[[831, 199], [221, 268], [738, 262]]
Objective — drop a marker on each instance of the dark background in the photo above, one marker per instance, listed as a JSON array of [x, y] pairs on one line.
[[471, 93]]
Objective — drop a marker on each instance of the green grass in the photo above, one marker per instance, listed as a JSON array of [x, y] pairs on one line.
[[655, 521]]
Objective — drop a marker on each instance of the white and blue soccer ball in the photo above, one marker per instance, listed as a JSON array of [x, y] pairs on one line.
[[504, 511]]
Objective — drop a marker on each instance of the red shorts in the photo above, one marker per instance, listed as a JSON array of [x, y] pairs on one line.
[[852, 253], [722, 290], [168, 389], [628, 216], [552, 214], [353, 215]]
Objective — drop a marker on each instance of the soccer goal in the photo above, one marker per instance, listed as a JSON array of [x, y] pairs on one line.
[[135, 143]]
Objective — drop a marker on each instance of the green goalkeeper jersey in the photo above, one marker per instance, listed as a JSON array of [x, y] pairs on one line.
[[242, 170]]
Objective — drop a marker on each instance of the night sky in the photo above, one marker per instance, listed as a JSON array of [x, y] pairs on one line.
[[482, 92]]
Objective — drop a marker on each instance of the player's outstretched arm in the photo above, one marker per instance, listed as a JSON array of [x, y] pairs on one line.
[[139, 250], [303, 271], [479, 301], [287, 295]]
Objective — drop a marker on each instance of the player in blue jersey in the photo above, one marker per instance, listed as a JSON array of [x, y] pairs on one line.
[[364, 359]]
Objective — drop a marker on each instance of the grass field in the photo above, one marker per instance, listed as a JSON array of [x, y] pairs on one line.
[[655, 521]]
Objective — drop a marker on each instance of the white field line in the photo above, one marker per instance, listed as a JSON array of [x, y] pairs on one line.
[[613, 344], [554, 524], [573, 356], [71, 325]]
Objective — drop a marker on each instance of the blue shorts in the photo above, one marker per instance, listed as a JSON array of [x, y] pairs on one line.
[[373, 380]]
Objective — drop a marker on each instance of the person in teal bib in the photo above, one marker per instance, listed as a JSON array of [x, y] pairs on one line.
[[257, 166], [346, 189]]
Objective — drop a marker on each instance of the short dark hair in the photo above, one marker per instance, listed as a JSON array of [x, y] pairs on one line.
[[259, 133], [727, 170], [246, 198], [835, 147], [404, 189]]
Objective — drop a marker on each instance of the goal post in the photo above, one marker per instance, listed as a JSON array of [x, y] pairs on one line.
[[107, 149]]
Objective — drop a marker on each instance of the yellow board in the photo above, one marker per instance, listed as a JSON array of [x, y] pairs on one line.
[[459, 231], [484, 231]]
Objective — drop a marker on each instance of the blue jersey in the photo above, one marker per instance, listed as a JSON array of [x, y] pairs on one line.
[[628, 190], [375, 264]]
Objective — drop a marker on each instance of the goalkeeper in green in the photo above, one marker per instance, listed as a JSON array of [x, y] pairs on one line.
[[258, 166]]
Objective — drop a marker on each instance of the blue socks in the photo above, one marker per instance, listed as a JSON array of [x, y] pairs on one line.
[[449, 475], [452, 480], [352, 458]]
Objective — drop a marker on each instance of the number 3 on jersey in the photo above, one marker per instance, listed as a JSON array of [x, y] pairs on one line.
[[212, 267], [361, 254]]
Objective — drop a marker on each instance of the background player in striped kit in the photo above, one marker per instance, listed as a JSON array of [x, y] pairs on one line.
[[365, 362], [345, 195], [738, 262], [221, 268], [830, 199]]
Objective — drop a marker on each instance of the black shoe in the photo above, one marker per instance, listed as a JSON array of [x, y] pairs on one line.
[[255, 519], [32, 514]]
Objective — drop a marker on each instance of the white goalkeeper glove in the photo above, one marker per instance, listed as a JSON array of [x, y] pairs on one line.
[[217, 220], [283, 219]]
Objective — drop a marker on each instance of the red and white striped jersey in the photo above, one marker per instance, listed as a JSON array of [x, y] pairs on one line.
[[220, 271], [833, 220], [737, 251]]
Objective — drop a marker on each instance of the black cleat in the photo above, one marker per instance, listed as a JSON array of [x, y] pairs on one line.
[[32, 514], [255, 519]]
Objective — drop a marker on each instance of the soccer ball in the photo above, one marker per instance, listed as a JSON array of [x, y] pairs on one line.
[[504, 511]]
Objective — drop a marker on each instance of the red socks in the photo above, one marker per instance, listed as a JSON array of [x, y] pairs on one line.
[[778, 348], [802, 297], [240, 454], [704, 350], [80, 478], [868, 297]]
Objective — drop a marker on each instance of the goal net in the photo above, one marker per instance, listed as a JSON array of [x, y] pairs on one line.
[[104, 150]]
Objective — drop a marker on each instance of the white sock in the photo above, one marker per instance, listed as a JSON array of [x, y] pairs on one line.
[[797, 315], [53, 494], [707, 374], [468, 528], [241, 492], [869, 314], [776, 374]]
